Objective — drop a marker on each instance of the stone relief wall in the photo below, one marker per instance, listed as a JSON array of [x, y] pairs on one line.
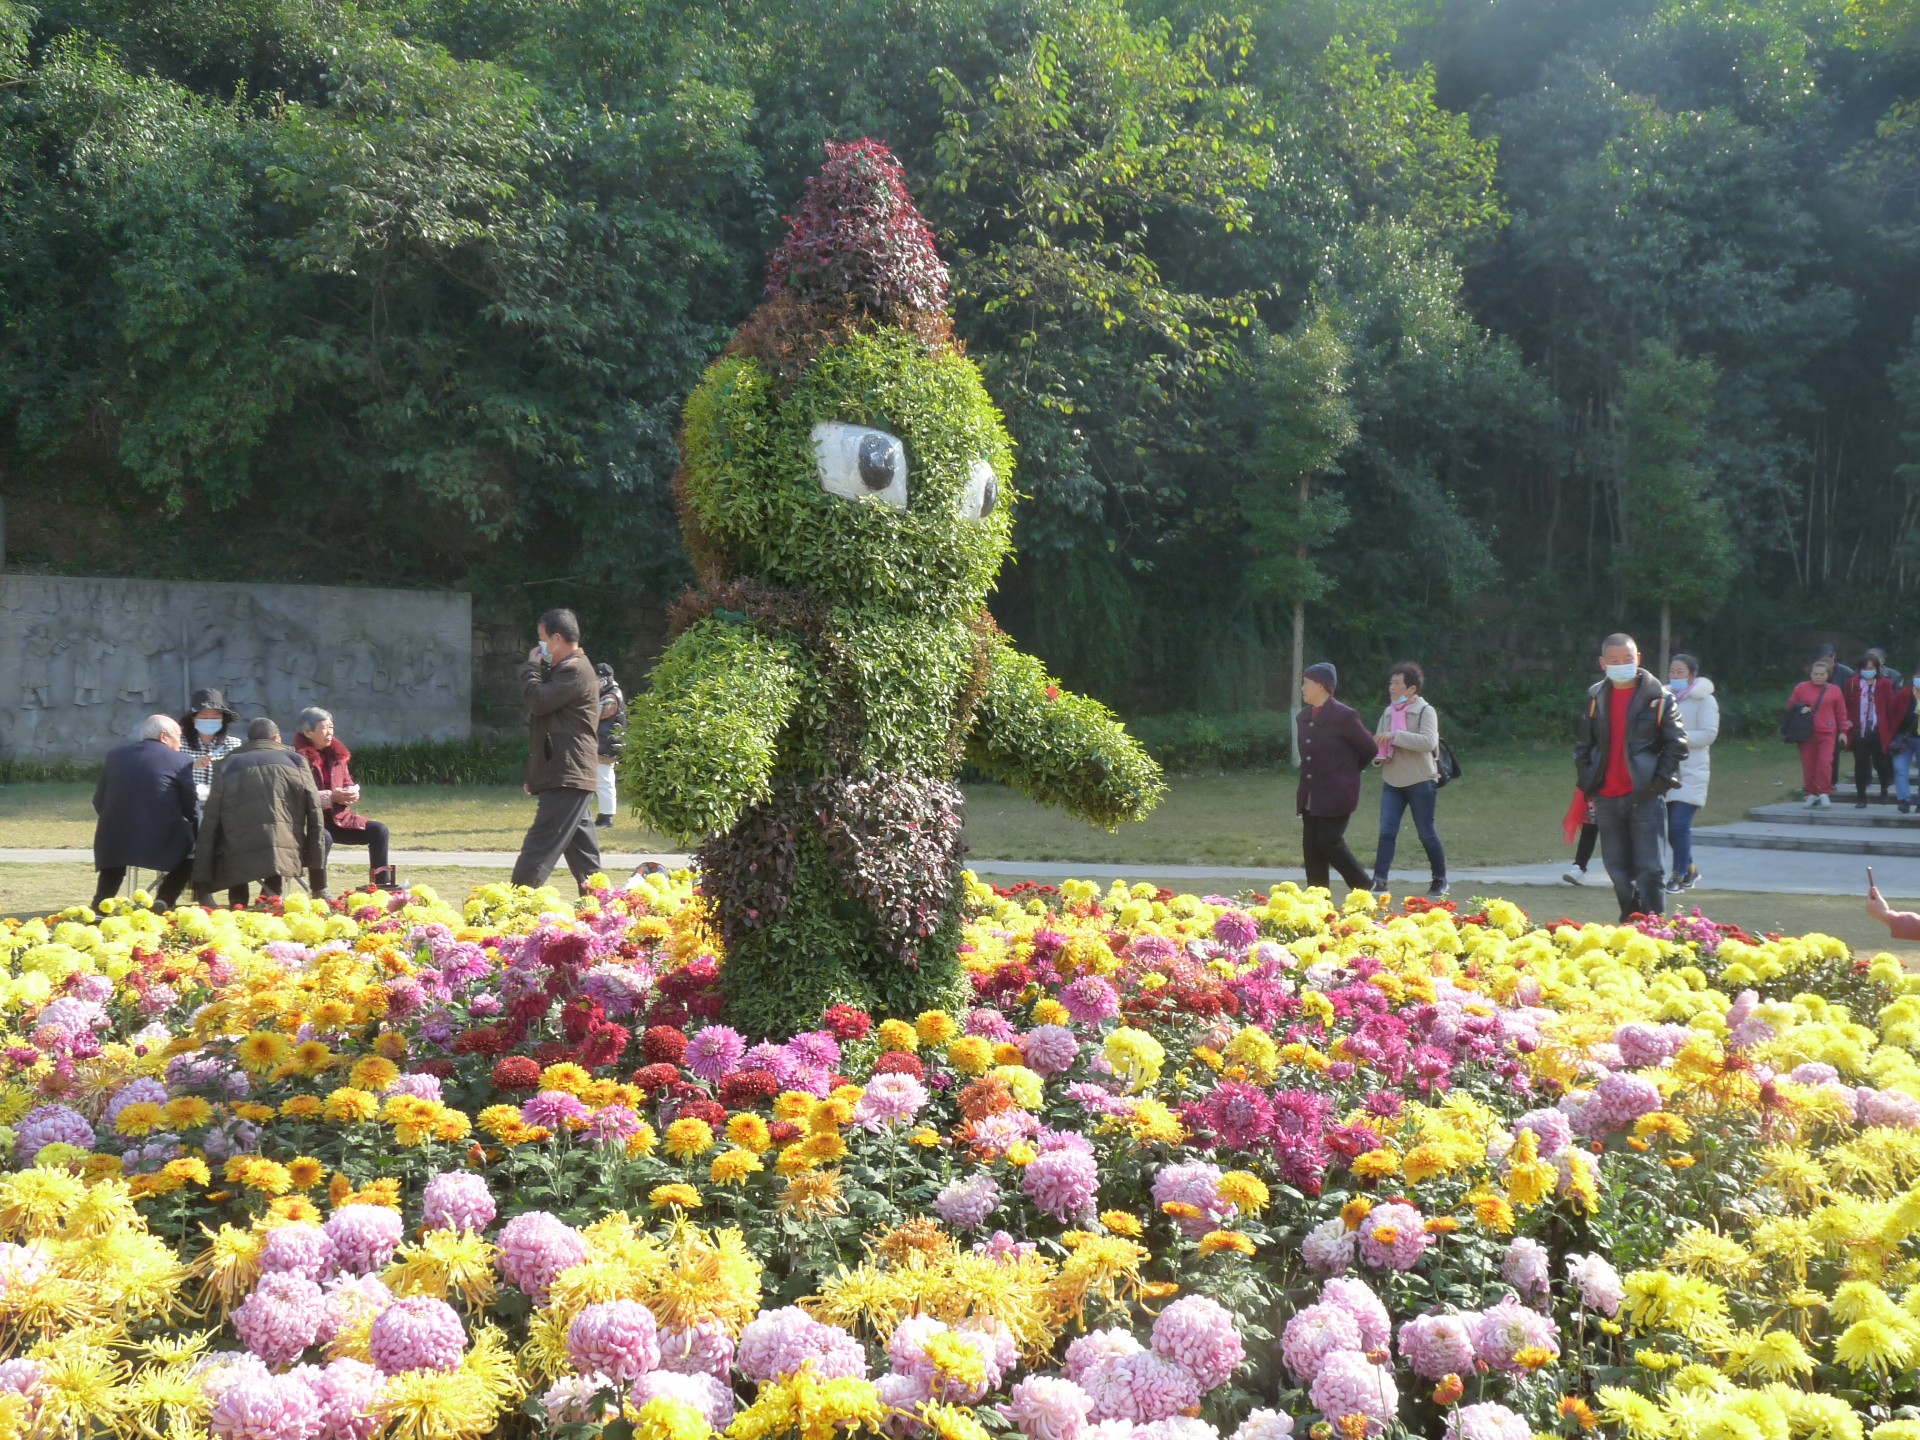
[[83, 661]]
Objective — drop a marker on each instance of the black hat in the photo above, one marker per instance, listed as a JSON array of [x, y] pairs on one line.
[[1325, 674], [208, 700], [603, 670]]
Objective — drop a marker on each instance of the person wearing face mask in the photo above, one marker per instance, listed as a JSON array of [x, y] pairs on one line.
[[1870, 714], [208, 730], [1700, 713], [562, 696], [1906, 737], [1816, 721], [1627, 758], [1407, 745]]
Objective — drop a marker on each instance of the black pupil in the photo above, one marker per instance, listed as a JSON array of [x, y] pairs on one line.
[[876, 462], [990, 497]]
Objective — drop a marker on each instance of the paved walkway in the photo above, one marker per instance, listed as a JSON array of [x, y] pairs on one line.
[[1751, 870]]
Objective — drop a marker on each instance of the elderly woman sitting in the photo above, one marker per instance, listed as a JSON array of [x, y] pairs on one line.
[[328, 758]]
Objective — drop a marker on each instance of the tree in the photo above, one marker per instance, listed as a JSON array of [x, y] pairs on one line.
[[1677, 549], [1308, 423]]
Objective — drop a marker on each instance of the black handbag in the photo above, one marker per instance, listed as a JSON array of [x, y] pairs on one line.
[[1796, 725], [1447, 765]]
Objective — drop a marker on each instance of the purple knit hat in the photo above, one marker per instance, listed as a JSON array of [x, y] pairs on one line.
[[1326, 675]]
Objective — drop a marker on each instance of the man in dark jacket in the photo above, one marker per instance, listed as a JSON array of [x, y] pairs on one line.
[[1335, 749], [1627, 757], [562, 695], [263, 822], [148, 813]]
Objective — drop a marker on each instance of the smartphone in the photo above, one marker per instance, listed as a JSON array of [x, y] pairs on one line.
[[1870, 884]]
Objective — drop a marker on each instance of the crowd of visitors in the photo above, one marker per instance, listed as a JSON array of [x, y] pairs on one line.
[[221, 803]]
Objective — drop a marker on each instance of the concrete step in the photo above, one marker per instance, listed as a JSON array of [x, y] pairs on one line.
[[1825, 839], [1841, 812]]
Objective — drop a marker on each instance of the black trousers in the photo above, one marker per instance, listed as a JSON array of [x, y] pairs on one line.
[[1631, 827], [1583, 852], [239, 894], [1323, 839], [1869, 758], [563, 825], [164, 894], [376, 837]]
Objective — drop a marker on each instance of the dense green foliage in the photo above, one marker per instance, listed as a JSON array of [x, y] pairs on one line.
[[416, 290]]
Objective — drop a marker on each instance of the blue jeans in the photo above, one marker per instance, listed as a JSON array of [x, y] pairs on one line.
[[1395, 801], [1902, 766], [1680, 834]]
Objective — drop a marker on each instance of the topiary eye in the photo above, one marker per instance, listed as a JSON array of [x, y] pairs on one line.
[[982, 496], [857, 462]]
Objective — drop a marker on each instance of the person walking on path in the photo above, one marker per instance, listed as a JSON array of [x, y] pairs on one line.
[[262, 822], [210, 732], [1335, 748], [1870, 712], [1700, 713], [1628, 756], [613, 739], [1407, 750], [562, 696], [1817, 722], [148, 813], [316, 742], [1906, 740]]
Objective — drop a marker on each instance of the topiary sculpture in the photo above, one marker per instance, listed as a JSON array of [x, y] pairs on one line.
[[845, 497]]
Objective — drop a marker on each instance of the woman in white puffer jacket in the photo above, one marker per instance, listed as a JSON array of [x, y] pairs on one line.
[[1700, 713]]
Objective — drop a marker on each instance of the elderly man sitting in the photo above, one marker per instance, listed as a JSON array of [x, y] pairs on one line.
[[148, 812], [262, 822]]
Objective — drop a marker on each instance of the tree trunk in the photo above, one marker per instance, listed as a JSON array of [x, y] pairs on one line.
[[1666, 638], [1299, 638]]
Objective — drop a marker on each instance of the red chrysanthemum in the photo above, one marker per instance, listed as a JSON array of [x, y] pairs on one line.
[[711, 1111], [899, 1062], [784, 1132], [847, 1022], [516, 1072], [653, 1078], [744, 1087], [663, 1045]]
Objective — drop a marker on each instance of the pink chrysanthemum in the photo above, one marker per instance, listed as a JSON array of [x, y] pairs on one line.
[[1199, 1336], [534, 1248], [1508, 1328], [349, 1300], [1598, 1283], [555, 1109], [715, 1052], [1062, 1183], [964, 1204], [1356, 1297], [1351, 1384], [616, 1338], [889, 1100], [1049, 1049], [1048, 1407], [281, 1318], [777, 1343], [1262, 1424], [1196, 1184], [1090, 999], [301, 1248], [1140, 1388], [1616, 1102], [364, 1237], [1394, 1236], [1313, 1334], [703, 1349], [344, 1391], [1487, 1421], [418, 1333], [1436, 1346], [1091, 1351], [1525, 1268], [457, 1200], [271, 1407], [1328, 1248]]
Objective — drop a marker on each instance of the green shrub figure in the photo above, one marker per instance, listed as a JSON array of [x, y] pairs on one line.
[[845, 497]]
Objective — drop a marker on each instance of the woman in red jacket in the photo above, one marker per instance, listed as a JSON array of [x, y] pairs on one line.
[[327, 757], [1819, 697], [1870, 706]]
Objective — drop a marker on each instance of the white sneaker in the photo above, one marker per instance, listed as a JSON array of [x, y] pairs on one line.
[[1574, 876], [1812, 802], [1826, 802]]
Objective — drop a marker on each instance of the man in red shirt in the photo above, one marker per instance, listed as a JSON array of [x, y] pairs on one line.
[[1627, 757]]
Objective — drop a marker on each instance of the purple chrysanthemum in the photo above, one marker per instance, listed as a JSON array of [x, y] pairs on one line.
[[715, 1052]]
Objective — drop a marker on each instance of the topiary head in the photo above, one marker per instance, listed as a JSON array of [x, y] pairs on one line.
[[844, 445]]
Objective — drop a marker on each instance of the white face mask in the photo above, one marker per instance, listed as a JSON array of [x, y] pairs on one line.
[[1621, 674]]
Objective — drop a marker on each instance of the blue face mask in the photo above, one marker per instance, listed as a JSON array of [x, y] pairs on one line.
[[1621, 674], [1869, 674], [546, 654], [1403, 702], [1679, 687], [209, 727]]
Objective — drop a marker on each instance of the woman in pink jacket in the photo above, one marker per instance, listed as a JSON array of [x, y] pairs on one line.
[[1819, 697]]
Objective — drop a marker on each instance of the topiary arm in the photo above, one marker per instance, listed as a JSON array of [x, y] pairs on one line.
[[701, 741], [1059, 748]]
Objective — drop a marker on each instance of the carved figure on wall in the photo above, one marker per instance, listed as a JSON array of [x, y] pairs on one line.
[[136, 681], [37, 649], [88, 657]]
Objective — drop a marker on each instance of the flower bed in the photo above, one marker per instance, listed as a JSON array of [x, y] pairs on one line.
[[1187, 1170]]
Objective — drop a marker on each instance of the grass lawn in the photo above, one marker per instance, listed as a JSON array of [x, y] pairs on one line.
[[1505, 809]]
